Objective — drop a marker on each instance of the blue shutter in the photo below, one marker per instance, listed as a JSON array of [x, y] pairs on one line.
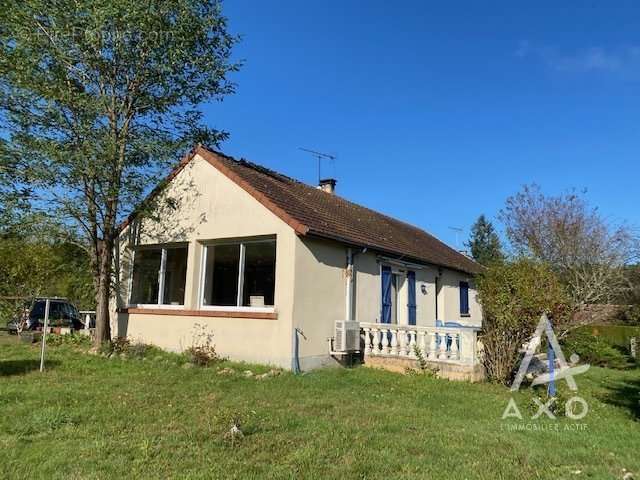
[[411, 278], [464, 298], [386, 295]]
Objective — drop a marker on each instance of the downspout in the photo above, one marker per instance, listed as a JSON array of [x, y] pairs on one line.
[[295, 362], [349, 287], [350, 281]]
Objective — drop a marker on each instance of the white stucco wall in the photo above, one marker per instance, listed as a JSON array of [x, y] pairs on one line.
[[451, 299], [425, 302], [320, 295], [367, 287], [368, 293], [212, 207], [319, 298]]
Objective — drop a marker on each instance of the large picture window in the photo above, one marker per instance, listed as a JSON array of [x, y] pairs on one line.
[[159, 276], [240, 274]]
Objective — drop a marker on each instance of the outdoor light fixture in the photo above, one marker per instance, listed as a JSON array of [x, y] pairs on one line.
[[423, 289]]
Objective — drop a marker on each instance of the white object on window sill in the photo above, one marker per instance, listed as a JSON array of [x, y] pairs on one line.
[[256, 301]]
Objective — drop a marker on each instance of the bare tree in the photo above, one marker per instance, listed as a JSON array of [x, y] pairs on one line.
[[587, 252]]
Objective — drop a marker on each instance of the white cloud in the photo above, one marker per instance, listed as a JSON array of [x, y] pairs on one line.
[[623, 60]]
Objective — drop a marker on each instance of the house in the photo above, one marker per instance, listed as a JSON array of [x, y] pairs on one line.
[[268, 264]]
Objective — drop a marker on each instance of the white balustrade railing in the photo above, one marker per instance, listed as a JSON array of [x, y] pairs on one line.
[[449, 344]]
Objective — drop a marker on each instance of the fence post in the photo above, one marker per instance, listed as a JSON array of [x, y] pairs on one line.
[[633, 341], [44, 334]]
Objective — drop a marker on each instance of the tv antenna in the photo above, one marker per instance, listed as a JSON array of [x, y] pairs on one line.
[[320, 156], [458, 231]]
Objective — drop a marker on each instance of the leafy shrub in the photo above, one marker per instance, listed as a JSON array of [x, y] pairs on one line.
[[202, 351], [595, 350], [201, 356], [72, 340], [514, 295]]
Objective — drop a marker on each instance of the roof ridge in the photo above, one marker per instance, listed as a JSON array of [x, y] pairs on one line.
[[317, 209], [276, 174]]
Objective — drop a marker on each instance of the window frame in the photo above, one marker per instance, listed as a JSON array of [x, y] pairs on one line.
[[161, 275], [238, 307]]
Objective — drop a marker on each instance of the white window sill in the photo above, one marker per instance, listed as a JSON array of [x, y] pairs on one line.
[[238, 309], [155, 305]]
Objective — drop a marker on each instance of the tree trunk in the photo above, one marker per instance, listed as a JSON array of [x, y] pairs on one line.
[[103, 293]]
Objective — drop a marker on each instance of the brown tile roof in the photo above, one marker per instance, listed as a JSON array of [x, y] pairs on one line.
[[311, 211]]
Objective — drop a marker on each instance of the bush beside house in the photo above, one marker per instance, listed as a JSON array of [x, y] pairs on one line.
[[514, 295]]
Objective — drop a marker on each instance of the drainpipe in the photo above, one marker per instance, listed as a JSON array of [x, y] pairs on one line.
[[349, 290], [295, 361]]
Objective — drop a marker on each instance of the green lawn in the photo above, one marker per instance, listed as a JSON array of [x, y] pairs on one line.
[[92, 417]]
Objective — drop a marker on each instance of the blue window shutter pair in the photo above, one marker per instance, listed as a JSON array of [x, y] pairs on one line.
[[386, 295], [385, 316], [464, 298], [411, 278]]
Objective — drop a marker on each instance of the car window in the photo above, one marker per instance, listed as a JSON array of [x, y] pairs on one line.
[[71, 311], [56, 311], [37, 312]]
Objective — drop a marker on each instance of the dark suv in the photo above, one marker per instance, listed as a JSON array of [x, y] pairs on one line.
[[62, 313]]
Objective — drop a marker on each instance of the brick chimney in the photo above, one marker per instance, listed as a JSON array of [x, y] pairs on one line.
[[328, 185]]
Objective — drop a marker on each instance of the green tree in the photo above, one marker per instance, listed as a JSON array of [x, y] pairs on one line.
[[13, 194], [514, 295], [97, 99], [31, 266], [484, 242]]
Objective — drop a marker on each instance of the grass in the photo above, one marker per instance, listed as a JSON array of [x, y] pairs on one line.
[[92, 417], [618, 335]]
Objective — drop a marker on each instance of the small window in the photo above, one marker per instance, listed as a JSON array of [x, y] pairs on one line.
[[159, 276], [240, 274], [464, 298]]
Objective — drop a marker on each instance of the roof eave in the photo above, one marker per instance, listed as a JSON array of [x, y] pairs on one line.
[[399, 255]]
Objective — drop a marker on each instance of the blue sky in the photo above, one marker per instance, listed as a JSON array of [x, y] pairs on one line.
[[439, 111]]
